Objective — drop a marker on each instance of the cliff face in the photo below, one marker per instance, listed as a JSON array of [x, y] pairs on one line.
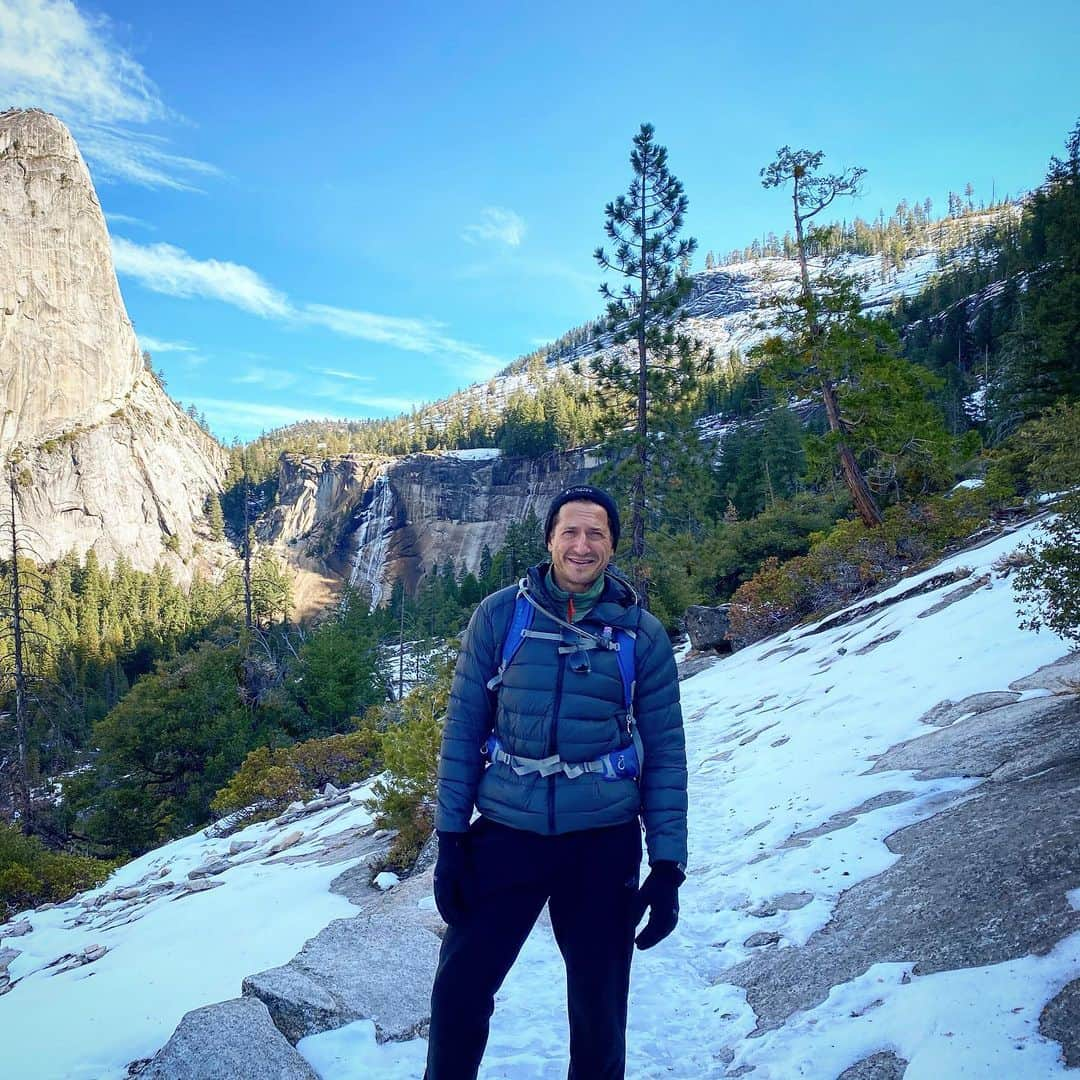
[[107, 459], [126, 486], [372, 520], [68, 354]]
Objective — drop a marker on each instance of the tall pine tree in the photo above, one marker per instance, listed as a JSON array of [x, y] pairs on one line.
[[654, 374]]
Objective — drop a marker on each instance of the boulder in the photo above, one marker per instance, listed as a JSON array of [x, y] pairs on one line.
[[1060, 1021], [230, 1040], [709, 627], [881, 1066], [371, 967]]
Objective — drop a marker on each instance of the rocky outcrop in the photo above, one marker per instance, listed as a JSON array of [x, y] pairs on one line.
[[134, 484], [709, 627], [372, 967], [108, 461], [372, 520], [230, 1040], [940, 906], [68, 354]]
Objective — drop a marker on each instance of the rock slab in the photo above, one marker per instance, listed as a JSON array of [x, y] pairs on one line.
[[371, 967], [231, 1040]]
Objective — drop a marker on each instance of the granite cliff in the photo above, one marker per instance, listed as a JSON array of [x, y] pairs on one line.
[[370, 520], [108, 460]]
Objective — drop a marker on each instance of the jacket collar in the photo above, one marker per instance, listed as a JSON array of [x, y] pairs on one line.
[[617, 605]]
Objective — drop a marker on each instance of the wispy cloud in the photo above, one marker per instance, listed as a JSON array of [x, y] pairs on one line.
[[498, 224], [269, 378], [156, 345], [172, 271], [333, 373], [55, 57], [409, 334], [249, 415], [370, 402], [127, 219]]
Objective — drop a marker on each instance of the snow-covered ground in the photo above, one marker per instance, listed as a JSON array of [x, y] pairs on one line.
[[169, 950], [780, 739]]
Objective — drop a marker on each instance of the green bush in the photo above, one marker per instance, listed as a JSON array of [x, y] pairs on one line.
[[277, 776], [1048, 587], [30, 874], [405, 800], [850, 560], [1042, 455]]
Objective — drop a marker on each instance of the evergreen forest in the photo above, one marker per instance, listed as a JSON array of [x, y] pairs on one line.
[[783, 483]]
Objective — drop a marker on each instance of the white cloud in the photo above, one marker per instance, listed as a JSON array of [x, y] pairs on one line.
[[409, 334], [270, 378], [55, 57], [127, 219], [499, 224], [249, 415], [378, 402], [335, 374], [172, 271], [156, 345]]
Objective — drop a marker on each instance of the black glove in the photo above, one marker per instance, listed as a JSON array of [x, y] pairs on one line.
[[660, 894], [450, 871]]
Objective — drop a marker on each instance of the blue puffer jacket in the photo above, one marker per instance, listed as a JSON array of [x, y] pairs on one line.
[[543, 707]]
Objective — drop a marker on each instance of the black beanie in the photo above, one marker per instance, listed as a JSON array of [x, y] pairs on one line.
[[584, 493]]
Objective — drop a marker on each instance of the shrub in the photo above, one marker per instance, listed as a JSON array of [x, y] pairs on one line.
[[30, 874], [1042, 455], [405, 800], [273, 777], [849, 560], [1048, 587]]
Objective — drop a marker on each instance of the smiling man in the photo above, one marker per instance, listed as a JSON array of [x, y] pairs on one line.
[[564, 730]]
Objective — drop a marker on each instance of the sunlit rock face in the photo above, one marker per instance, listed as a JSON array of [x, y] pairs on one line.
[[68, 354], [107, 460], [373, 520]]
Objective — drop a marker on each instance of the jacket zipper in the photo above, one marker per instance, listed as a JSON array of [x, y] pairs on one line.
[[553, 742]]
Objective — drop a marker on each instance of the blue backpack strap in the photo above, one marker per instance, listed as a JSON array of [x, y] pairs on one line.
[[625, 639], [520, 623]]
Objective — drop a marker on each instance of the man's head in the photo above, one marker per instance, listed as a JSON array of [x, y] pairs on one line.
[[581, 532]]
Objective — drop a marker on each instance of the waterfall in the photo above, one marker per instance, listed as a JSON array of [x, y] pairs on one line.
[[373, 540]]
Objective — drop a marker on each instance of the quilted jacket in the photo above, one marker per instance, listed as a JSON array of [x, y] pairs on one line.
[[544, 706]]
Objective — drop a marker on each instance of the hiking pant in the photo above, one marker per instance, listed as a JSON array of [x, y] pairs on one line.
[[589, 880]]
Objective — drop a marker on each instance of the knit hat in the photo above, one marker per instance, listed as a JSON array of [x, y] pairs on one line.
[[584, 493]]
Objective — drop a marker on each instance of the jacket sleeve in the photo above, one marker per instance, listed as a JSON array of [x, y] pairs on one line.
[[469, 718], [659, 721]]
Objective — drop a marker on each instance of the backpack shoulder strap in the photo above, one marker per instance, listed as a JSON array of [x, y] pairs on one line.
[[520, 623], [626, 641]]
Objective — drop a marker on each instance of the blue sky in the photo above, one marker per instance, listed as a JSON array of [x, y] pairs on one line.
[[330, 209]]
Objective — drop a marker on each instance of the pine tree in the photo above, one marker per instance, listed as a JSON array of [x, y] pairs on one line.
[[644, 226], [812, 193], [215, 516]]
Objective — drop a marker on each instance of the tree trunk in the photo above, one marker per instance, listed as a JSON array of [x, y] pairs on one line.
[[861, 495], [637, 550]]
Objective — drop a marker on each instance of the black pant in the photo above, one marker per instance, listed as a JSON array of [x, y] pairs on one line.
[[589, 880]]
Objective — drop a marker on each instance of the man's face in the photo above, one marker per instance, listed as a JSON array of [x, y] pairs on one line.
[[580, 545]]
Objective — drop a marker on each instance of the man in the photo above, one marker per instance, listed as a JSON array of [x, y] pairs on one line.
[[560, 793]]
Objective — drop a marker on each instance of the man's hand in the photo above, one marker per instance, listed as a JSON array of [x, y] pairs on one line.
[[660, 894], [450, 871]]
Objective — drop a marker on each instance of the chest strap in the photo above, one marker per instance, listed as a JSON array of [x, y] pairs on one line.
[[624, 764]]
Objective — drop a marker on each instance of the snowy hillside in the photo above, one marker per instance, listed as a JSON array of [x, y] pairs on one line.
[[883, 869]]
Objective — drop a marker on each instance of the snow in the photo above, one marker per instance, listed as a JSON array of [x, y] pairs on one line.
[[820, 717], [480, 453], [780, 737], [180, 954]]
